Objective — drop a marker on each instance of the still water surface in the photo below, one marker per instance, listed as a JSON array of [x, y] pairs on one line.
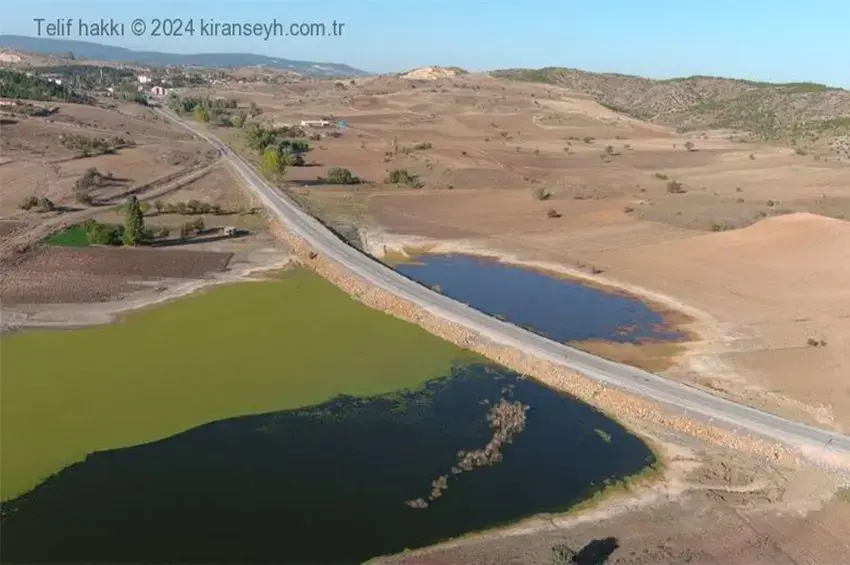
[[325, 484], [558, 308]]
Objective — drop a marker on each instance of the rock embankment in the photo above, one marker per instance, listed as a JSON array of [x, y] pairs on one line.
[[624, 407]]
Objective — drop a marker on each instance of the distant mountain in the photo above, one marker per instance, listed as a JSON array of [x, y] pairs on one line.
[[98, 52]]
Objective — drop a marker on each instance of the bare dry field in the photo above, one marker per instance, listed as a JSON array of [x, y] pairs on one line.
[[37, 164], [58, 286], [750, 237], [57, 275]]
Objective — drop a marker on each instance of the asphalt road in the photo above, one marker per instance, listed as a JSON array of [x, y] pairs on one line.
[[688, 401]]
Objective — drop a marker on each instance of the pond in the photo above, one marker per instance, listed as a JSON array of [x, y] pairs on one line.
[[332, 483], [558, 308], [277, 422]]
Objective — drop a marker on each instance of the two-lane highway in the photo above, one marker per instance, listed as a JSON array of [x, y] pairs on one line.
[[688, 400]]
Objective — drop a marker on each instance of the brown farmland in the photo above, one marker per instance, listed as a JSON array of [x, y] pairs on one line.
[[647, 207]]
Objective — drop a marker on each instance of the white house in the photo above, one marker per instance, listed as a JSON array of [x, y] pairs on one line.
[[159, 91], [143, 79]]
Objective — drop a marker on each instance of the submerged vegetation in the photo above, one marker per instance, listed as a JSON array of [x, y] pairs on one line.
[[507, 419]]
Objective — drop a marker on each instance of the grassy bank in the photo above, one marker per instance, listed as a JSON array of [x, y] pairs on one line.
[[239, 349], [73, 236]]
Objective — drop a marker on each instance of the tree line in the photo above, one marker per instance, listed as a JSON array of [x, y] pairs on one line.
[[18, 85]]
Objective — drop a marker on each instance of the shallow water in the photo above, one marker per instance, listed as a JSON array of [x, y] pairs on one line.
[[325, 484], [558, 308]]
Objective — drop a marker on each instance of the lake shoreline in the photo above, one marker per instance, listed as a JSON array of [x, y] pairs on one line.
[[693, 325], [82, 315]]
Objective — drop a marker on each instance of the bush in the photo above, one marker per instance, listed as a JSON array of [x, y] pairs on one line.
[[339, 175], [186, 230], [588, 139], [45, 205], [83, 197], [199, 225], [539, 193], [689, 146], [29, 203], [423, 145], [675, 187], [552, 213], [401, 176], [197, 207], [661, 176], [163, 233], [292, 159], [103, 234]]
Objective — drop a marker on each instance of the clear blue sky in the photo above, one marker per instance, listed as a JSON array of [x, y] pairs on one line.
[[777, 40]]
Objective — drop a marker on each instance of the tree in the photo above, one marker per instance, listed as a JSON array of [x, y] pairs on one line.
[[201, 115], [254, 110], [199, 225], [134, 222], [272, 164], [158, 206], [237, 120]]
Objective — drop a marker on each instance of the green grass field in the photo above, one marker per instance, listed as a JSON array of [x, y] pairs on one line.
[[73, 236], [239, 349]]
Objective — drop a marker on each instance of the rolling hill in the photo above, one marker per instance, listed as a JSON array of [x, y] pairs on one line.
[[803, 114]]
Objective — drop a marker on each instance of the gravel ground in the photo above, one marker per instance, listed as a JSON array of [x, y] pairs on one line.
[[55, 275]]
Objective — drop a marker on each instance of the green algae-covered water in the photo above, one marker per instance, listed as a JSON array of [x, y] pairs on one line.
[[273, 422], [234, 350]]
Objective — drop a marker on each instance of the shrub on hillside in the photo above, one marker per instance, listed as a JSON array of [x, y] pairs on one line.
[[29, 203], [540, 193], [675, 187], [339, 175], [401, 176]]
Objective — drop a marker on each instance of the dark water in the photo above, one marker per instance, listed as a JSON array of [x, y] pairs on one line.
[[557, 308], [326, 484]]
